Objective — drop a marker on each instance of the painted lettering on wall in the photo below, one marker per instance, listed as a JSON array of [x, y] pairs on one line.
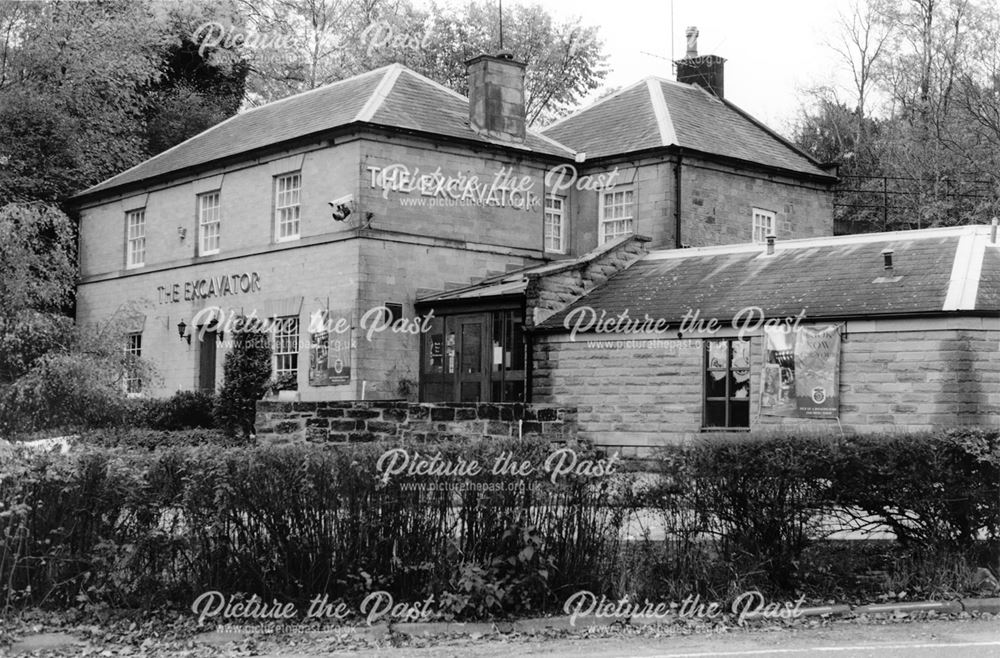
[[206, 288], [504, 189]]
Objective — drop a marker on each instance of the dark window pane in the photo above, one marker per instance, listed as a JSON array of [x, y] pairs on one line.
[[437, 392], [515, 346], [470, 392], [715, 414], [472, 334], [715, 384], [513, 391], [739, 411]]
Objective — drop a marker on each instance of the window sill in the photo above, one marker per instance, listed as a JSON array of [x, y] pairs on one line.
[[723, 429], [290, 238]]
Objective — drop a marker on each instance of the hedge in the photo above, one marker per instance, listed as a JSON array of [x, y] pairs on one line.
[[743, 510], [135, 523], [161, 527]]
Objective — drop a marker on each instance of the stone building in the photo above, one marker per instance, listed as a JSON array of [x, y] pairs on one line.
[[913, 318], [395, 237]]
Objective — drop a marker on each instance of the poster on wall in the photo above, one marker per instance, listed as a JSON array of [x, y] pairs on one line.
[[801, 374], [329, 353]]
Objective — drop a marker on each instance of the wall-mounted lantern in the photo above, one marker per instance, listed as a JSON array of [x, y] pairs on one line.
[[182, 331]]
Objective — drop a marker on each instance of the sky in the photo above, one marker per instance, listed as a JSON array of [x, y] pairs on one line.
[[775, 49]]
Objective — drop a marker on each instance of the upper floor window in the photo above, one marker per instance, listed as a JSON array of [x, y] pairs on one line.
[[555, 230], [286, 206], [135, 222], [763, 224], [133, 351], [209, 223], [616, 214]]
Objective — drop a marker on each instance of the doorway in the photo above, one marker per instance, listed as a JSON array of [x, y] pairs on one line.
[[207, 342]]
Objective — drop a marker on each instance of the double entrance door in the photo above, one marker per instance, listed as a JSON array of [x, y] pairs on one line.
[[474, 357]]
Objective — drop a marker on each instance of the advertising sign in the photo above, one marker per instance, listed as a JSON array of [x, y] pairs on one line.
[[801, 374], [329, 354]]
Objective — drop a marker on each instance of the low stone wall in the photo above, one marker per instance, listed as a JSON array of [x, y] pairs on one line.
[[343, 422]]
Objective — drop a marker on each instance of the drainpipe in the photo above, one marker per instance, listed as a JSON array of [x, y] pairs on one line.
[[677, 199], [528, 348]]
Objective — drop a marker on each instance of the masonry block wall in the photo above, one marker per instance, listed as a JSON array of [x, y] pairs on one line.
[[399, 203], [346, 422], [549, 292], [638, 392], [292, 282], [396, 271], [651, 182], [717, 204], [246, 197]]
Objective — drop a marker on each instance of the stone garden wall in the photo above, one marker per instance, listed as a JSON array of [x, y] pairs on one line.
[[344, 422]]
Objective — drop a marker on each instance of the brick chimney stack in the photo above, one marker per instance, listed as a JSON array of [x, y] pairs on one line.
[[496, 97], [708, 71]]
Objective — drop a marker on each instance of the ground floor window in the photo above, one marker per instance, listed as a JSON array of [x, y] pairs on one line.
[[727, 384], [285, 347], [474, 357], [133, 352]]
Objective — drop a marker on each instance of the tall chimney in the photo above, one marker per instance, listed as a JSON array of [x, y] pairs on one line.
[[496, 97], [707, 71]]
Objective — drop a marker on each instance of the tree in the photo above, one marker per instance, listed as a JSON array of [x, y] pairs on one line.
[[37, 275], [89, 89], [247, 371], [933, 158], [197, 89], [327, 40], [71, 103]]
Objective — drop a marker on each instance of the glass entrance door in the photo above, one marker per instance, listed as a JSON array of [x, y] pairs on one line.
[[474, 357], [471, 352]]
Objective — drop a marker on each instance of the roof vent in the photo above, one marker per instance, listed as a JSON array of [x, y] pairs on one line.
[[887, 259], [770, 244]]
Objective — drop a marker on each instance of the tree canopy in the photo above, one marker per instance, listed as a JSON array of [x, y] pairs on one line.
[[918, 129]]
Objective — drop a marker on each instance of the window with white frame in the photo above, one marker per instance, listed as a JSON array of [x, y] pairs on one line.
[[135, 238], [133, 351], [763, 224], [555, 228], [285, 349], [209, 223], [286, 206], [616, 214]]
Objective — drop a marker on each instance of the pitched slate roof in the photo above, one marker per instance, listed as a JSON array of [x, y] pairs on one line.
[[657, 113], [934, 270], [392, 96]]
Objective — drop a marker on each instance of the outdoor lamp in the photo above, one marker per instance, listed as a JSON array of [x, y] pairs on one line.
[[181, 329]]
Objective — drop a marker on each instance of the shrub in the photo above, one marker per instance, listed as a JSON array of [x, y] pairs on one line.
[[936, 490], [144, 438], [67, 391], [740, 511], [293, 522], [247, 371], [183, 410]]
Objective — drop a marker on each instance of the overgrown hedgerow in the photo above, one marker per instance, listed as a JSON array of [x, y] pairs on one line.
[[159, 525], [745, 511]]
